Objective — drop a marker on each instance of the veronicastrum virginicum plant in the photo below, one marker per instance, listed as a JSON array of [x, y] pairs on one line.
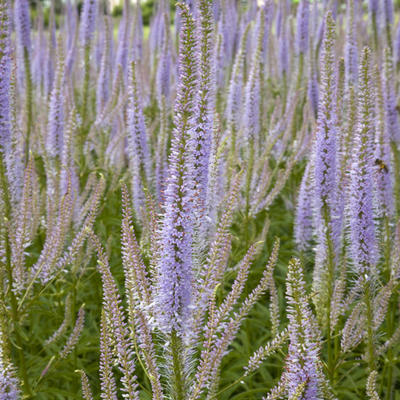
[[226, 119]]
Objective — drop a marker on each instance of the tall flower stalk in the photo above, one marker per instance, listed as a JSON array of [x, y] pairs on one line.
[[326, 182], [87, 28], [362, 225], [175, 268], [23, 29]]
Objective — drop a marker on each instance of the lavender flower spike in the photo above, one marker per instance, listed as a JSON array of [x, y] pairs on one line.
[[325, 155], [138, 149], [5, 75], [23, 25], [390, 101], [88, 21], [175, 268], [304, 212], [351, 50], [204, 123], [362, 225], [302, 362], [326, 152], [9, 384], [54, 140], [303, 17], [383, 171]]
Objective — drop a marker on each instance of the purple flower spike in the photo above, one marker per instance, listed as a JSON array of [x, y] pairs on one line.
[[351, 48], [397, 45], [390, 100], [373, 6], [23, 24], [88, 22], [138, 149], [304, 212], [388, 11], [326, 149], [5, 75], [362, 225], [302, 365], [303, 17], [164, 65], [382, 154], [175, 267], [54, 140], [206, 99]]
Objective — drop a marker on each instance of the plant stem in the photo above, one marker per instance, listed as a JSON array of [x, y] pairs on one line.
[[250, 167], [391, 309], [396, 159], [179, 382], [329, 283], [370, 333]]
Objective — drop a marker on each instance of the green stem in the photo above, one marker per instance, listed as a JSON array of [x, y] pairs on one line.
[[392, 310], [250, 167], [179, 382], [329, 283], [390, 354], [370, 332], [300, 71], [396, 158]]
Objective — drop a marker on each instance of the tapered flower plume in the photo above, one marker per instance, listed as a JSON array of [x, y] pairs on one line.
[[284, 50], [55, 131], [388, 14], [326, 149], [116, 324], [382, 156], [303, 17], [5, 75], [251, 117], [175, 267], [302, 364], [138, 149], [103, 83], [351, 48], [107, 380], [88, 22], [304, 213], [23, 24], [313, 89], [373, 6], [9, 384], [234, 100], [390, 100], [206, 99], [164, 65], [362, 225], [123, 40], [325, 154]]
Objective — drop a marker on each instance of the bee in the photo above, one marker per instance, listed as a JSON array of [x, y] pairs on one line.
[[382, 166]]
